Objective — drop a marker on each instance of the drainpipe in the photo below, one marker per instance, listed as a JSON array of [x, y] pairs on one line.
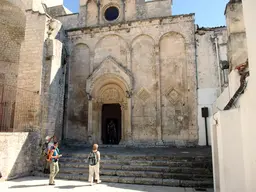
[[218, 60], [195, 40]]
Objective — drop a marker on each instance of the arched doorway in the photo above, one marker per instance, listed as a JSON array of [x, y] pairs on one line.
[[109, 86], [111, 126]]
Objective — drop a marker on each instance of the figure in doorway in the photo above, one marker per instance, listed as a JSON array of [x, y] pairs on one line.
[[112, 132]]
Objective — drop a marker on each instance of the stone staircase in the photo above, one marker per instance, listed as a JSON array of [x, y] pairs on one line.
[[181, 168]]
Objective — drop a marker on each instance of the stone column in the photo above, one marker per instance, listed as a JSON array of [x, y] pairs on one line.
[[129, 121], [126, 128], [90, 111], [91, 61], [158, 97], [129, 59], [98, 132]]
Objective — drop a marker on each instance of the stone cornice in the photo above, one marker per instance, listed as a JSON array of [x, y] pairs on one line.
[[130, 24]]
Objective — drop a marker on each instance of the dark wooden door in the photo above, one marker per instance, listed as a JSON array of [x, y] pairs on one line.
[[111, 124]]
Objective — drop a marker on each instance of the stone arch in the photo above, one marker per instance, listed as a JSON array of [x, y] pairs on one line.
[[80, 60], [146, 49], [112, 45], [105, 80], [110, 83], [142, 35], [144, 112], [173, 72], [79, 70], [78, 43], [91, 13], [172, 33], [109, 89]]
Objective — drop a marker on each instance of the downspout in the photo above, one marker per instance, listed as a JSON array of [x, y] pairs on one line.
[[195, 40], [218, 61]]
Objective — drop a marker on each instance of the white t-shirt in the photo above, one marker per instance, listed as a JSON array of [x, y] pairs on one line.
[[50, 144]]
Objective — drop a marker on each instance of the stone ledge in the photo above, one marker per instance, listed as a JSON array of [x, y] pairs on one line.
[[131, 24]]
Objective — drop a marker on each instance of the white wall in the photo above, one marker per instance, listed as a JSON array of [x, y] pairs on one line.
[[205, 99], [208, 74], [248, 103], [52, 3], [229, 172], [235, 139]]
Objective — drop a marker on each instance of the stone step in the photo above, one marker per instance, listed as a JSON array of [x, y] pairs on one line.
[[161, 169], [138, 180], [129, 157], [205, 164], [128, 173]]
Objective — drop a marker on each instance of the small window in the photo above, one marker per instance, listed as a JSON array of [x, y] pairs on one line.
[[111, 13]]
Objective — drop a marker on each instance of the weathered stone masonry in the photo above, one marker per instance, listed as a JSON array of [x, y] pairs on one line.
[[159, 55]]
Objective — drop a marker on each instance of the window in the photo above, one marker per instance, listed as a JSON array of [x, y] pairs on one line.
[[111, 13]]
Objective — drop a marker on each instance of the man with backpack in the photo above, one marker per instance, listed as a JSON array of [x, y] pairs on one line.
[[53, 157], [94, 164]]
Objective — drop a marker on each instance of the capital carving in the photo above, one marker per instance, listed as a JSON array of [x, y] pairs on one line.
[[97, 106], [124, 106]]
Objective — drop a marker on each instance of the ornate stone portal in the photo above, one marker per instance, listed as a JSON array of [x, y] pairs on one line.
[[109, 84]]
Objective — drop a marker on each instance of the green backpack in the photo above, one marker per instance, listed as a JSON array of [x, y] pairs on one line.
[[93, 158]]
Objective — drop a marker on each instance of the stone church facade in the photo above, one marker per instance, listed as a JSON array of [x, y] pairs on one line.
[[144, 62], [131, 63]]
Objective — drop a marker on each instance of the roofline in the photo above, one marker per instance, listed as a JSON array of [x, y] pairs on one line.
[[128, 22]]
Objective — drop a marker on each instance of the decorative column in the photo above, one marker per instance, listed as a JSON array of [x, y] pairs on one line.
[[158, 97], [129, 59], [92, 53], [90, 131], [98, 132], [126, 115], [129, 121]]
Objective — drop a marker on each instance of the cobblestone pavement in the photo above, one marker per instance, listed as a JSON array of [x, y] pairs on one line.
[[37, 184]]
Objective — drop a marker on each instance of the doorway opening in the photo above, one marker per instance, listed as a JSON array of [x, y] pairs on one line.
[[111, 124]]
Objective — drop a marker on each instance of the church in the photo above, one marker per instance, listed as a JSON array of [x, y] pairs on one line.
[[126, 70], [132, 63], [127, 73]]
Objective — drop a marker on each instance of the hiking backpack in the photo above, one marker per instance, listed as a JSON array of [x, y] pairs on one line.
[[93, 158]]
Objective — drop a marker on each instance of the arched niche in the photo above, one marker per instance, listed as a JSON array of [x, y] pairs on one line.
[[114, 46]]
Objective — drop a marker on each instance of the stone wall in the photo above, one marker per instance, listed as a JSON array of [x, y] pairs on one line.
[[237, 45], [53, 83], [12, 24], [18, 154], [160, 56], [92, 15], [30, 68]]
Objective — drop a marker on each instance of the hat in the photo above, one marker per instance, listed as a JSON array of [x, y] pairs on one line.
[[47, 138]]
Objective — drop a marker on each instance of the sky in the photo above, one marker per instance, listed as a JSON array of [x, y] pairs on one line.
[[209, 13]]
